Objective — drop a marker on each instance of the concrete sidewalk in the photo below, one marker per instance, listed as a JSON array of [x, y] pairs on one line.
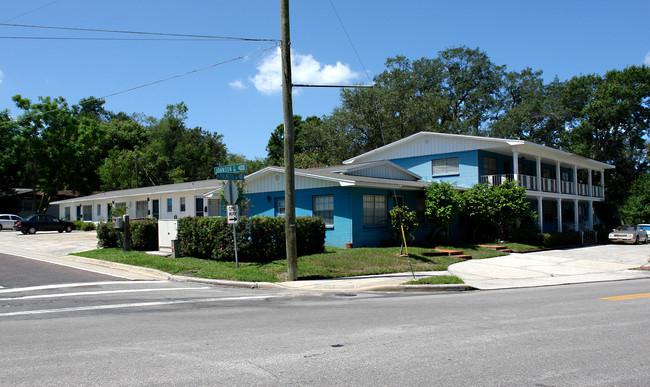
[[554, 267]]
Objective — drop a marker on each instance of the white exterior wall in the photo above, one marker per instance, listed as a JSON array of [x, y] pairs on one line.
[[190, 206]]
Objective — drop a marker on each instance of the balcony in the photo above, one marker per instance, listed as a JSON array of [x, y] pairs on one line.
[[528, 182], [548, 185]]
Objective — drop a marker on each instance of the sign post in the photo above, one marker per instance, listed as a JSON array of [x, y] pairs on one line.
[[231, 194], [233, 218]]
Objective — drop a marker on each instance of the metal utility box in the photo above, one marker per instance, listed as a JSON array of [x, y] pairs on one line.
[[119, 223], [167, 231]]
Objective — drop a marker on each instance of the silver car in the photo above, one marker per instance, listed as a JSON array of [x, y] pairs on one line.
[[7, 221], [629, 234]]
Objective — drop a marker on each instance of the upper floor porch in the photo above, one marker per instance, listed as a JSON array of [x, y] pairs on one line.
[[570, 176], [544, 184]]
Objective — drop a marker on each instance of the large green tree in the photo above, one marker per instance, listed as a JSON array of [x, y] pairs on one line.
[[610, 122], [637, 206]]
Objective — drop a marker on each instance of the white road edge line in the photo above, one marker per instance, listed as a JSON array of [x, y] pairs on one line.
[[133, 305], [76, 284], [60, 295]]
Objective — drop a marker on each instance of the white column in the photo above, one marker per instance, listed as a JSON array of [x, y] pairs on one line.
[[538, 162], [575, 179], [591, 188], [602, 182], [591, 215], [558, 177], [559, 215], [515, 164], [540, 214], [575, 215]]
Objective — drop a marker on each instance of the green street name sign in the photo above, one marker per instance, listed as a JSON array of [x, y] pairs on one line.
[[230, 169], [230, 176]]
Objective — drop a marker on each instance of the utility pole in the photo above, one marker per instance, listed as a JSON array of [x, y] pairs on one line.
[[136, 171], [289, 169]]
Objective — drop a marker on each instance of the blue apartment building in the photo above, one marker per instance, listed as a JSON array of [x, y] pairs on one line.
[[354, 198]]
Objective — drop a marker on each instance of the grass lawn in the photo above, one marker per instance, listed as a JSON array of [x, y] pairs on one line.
[[333, 263], [437, 280]]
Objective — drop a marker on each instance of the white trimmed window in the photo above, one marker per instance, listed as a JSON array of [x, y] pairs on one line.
[[88, 212], [182, 204], [280, 207], [323, 207], [374, 210], [443, 167], [141, 209]]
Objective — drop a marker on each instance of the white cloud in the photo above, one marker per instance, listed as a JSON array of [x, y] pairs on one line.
[[304, 69], [238, 85], [1, 76], [647, 59]]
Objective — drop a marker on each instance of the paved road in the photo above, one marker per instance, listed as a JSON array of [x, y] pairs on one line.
[[18, 272], [140, 333]]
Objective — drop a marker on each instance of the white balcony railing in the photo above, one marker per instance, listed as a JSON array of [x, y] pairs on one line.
[[528, 182], [548, 185]]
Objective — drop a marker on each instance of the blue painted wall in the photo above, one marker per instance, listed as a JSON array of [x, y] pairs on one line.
[[348, 213], [467, 163]]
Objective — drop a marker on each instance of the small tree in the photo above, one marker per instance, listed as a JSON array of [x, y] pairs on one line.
[[400, 216], [443, 204], [403, 219], [510, 204], [497, 207]]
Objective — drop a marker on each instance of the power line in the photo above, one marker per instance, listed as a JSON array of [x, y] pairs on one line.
[[224, 38], [31, 11], [173, 77], [149, 84], [107, 39]]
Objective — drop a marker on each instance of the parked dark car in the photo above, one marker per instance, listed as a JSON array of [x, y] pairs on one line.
[[42, 222]]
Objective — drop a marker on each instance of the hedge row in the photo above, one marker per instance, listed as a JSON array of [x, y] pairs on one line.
[[259, 239], [556, 239], [84, 226], [144, 235]]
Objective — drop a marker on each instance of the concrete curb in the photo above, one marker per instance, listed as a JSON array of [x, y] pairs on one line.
[[438, 288], [239, 284], [381, 288], [121, 266]]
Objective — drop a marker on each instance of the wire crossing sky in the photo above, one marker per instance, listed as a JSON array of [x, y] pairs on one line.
[[148, 54]]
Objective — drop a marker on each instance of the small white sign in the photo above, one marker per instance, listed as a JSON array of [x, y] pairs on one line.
[[233, 214]]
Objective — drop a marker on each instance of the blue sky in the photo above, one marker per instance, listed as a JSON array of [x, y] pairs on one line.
[[242, 100]]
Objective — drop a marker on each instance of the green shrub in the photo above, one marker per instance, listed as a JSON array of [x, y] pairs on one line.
[[84, 226], [310, 235], [556, 239], [259, 239], [108, 235], [144, 234]]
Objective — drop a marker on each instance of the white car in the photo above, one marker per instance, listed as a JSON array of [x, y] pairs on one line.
[[7, 221], [629, 234]]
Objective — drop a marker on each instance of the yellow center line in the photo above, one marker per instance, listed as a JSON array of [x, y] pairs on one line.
[[627, 297]]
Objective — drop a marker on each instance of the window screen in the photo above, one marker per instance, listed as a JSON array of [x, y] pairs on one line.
[[443, 167]]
